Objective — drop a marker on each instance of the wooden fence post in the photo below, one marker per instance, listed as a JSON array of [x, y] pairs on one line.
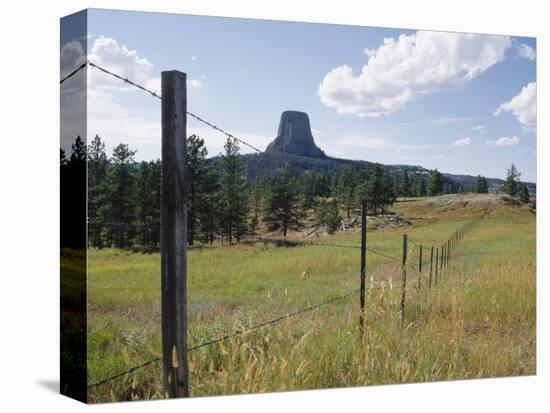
[[431, 266], [404, 283], [436, 264], [442, 260], [363, 266], [420, 268], [173, 244]]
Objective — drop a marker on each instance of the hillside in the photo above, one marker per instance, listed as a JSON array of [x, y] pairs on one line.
[[294, 145], [262, 164]]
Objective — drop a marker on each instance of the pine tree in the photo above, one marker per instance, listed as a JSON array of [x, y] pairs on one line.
[[198, 174], [283, 210], [233, 189], [403, 187], [147, 196], [256, 197], [348, 180], [435, 187], [121, 205], [73, 196], [62, 157], [379, 190], [420, 186], [511, 185], [524, 194], [481, 185], [210, 205], [97, 191], [328, 214], [78, 153]]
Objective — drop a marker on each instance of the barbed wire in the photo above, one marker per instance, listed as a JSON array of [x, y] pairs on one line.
[[321, 244], [74, 72], [124, 373], [234, 334], [261, 239], [301, 242], [288, 315], [193, 115]]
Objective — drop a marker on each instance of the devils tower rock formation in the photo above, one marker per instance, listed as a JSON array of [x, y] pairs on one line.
[[294, 136]]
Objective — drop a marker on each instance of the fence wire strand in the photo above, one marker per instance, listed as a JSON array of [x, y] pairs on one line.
[[234, 334], [260, 239]]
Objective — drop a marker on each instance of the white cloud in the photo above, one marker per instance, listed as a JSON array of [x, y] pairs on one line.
[[526, 52], [142, 130], [523, 106], [463, 142], [504, 141], [479, 128], [362, 142], [108, 53], [71, 56], [438, 157], [73, 93], [401, 70], [195, 83], [408, 147], [369, 52], [316, 133]]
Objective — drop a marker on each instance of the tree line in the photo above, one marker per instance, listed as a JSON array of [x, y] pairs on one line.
[[124, 195]]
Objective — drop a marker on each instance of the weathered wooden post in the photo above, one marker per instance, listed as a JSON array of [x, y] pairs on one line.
[[404, 281], [442, 260], [173, 244], [431, 266], [363, 266], [436, 263], [420, 268]]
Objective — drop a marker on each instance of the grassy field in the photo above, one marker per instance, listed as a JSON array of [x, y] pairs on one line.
[[478, 322]]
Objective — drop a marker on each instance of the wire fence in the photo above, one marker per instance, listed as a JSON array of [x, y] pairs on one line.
[[458, 234], [446, 248]]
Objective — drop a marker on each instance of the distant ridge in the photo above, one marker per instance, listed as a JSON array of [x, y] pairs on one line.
[[295, 143]]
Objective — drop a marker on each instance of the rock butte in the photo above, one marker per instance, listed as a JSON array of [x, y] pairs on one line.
[[294, 136]]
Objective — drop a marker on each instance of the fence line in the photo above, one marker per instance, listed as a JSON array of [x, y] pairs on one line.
[[445, 256], [236, 334], [321, 244], [155, 94], [461, 231]]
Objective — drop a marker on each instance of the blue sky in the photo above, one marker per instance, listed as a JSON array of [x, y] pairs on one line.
[[462, 104]]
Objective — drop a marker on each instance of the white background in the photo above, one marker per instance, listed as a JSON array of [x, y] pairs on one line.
[[29, 193]]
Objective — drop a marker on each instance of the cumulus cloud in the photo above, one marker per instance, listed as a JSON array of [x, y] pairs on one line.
[[504, 141], [479, 128], [195, 83], [73, 93], [402, 69], [463, 142], [523, 106], [71, 56], [526, 52], [110, 54]]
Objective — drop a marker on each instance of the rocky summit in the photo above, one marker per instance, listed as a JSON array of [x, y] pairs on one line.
[[294, 136]]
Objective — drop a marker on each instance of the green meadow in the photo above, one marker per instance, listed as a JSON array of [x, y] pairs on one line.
[[478, 321]]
